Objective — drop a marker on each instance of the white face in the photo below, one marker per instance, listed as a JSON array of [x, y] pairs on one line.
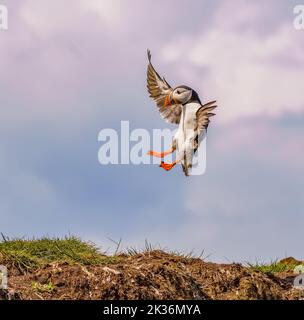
[[182, 95]]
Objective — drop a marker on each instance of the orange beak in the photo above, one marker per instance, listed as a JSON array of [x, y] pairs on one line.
[[168, 100]]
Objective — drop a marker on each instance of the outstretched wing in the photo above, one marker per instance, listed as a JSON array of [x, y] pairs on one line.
[[203, 115], [159, 89]]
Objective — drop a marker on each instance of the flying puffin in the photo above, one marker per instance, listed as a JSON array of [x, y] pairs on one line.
[[181, 106]]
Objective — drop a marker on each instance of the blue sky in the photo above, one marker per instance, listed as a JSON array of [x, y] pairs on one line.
[[72, 68]]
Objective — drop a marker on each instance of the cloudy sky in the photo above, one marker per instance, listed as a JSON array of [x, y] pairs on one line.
[[70, 68]]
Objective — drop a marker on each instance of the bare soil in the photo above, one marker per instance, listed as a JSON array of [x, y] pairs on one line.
[[150, 275]]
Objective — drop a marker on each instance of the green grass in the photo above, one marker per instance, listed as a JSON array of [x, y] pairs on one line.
[[149, 247], [41, 288], [272, 267], [31, 254]]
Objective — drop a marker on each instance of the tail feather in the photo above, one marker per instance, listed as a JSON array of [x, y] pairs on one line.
[[185, 169], [185, 166]]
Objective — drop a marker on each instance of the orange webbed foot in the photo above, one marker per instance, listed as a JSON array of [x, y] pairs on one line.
[[167, 166]]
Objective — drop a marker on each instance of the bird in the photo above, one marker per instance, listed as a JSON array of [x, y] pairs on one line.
[[182, 106]]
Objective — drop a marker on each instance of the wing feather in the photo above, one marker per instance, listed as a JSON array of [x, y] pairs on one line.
[[159, 89], [203, 116]]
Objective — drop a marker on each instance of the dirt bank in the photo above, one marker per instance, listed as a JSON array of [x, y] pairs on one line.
[[150, 275]]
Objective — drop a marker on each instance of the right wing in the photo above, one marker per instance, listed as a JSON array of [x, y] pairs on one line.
[[202, 116], [202, 120], [159, 89]]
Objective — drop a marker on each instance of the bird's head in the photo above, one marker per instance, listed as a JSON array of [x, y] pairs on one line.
[[180, 95]]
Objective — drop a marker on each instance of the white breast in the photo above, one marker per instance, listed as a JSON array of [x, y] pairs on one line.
[[190, 115], [186, 127]]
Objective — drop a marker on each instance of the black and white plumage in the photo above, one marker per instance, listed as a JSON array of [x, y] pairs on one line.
[[181, 106]]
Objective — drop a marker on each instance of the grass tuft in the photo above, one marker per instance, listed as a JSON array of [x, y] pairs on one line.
[[41, 288], [272, 267], [31, 254], [149, 247]]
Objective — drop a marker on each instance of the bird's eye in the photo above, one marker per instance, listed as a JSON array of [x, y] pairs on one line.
[[177, 91]]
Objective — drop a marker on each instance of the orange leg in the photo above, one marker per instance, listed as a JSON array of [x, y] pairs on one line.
[[160, 154]]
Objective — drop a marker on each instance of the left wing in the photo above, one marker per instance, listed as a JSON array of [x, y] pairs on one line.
[[159, 89]]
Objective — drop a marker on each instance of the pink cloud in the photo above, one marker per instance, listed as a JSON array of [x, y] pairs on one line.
[[248, 70]]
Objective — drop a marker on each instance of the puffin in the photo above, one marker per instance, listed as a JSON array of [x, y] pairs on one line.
[[182, 106]]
